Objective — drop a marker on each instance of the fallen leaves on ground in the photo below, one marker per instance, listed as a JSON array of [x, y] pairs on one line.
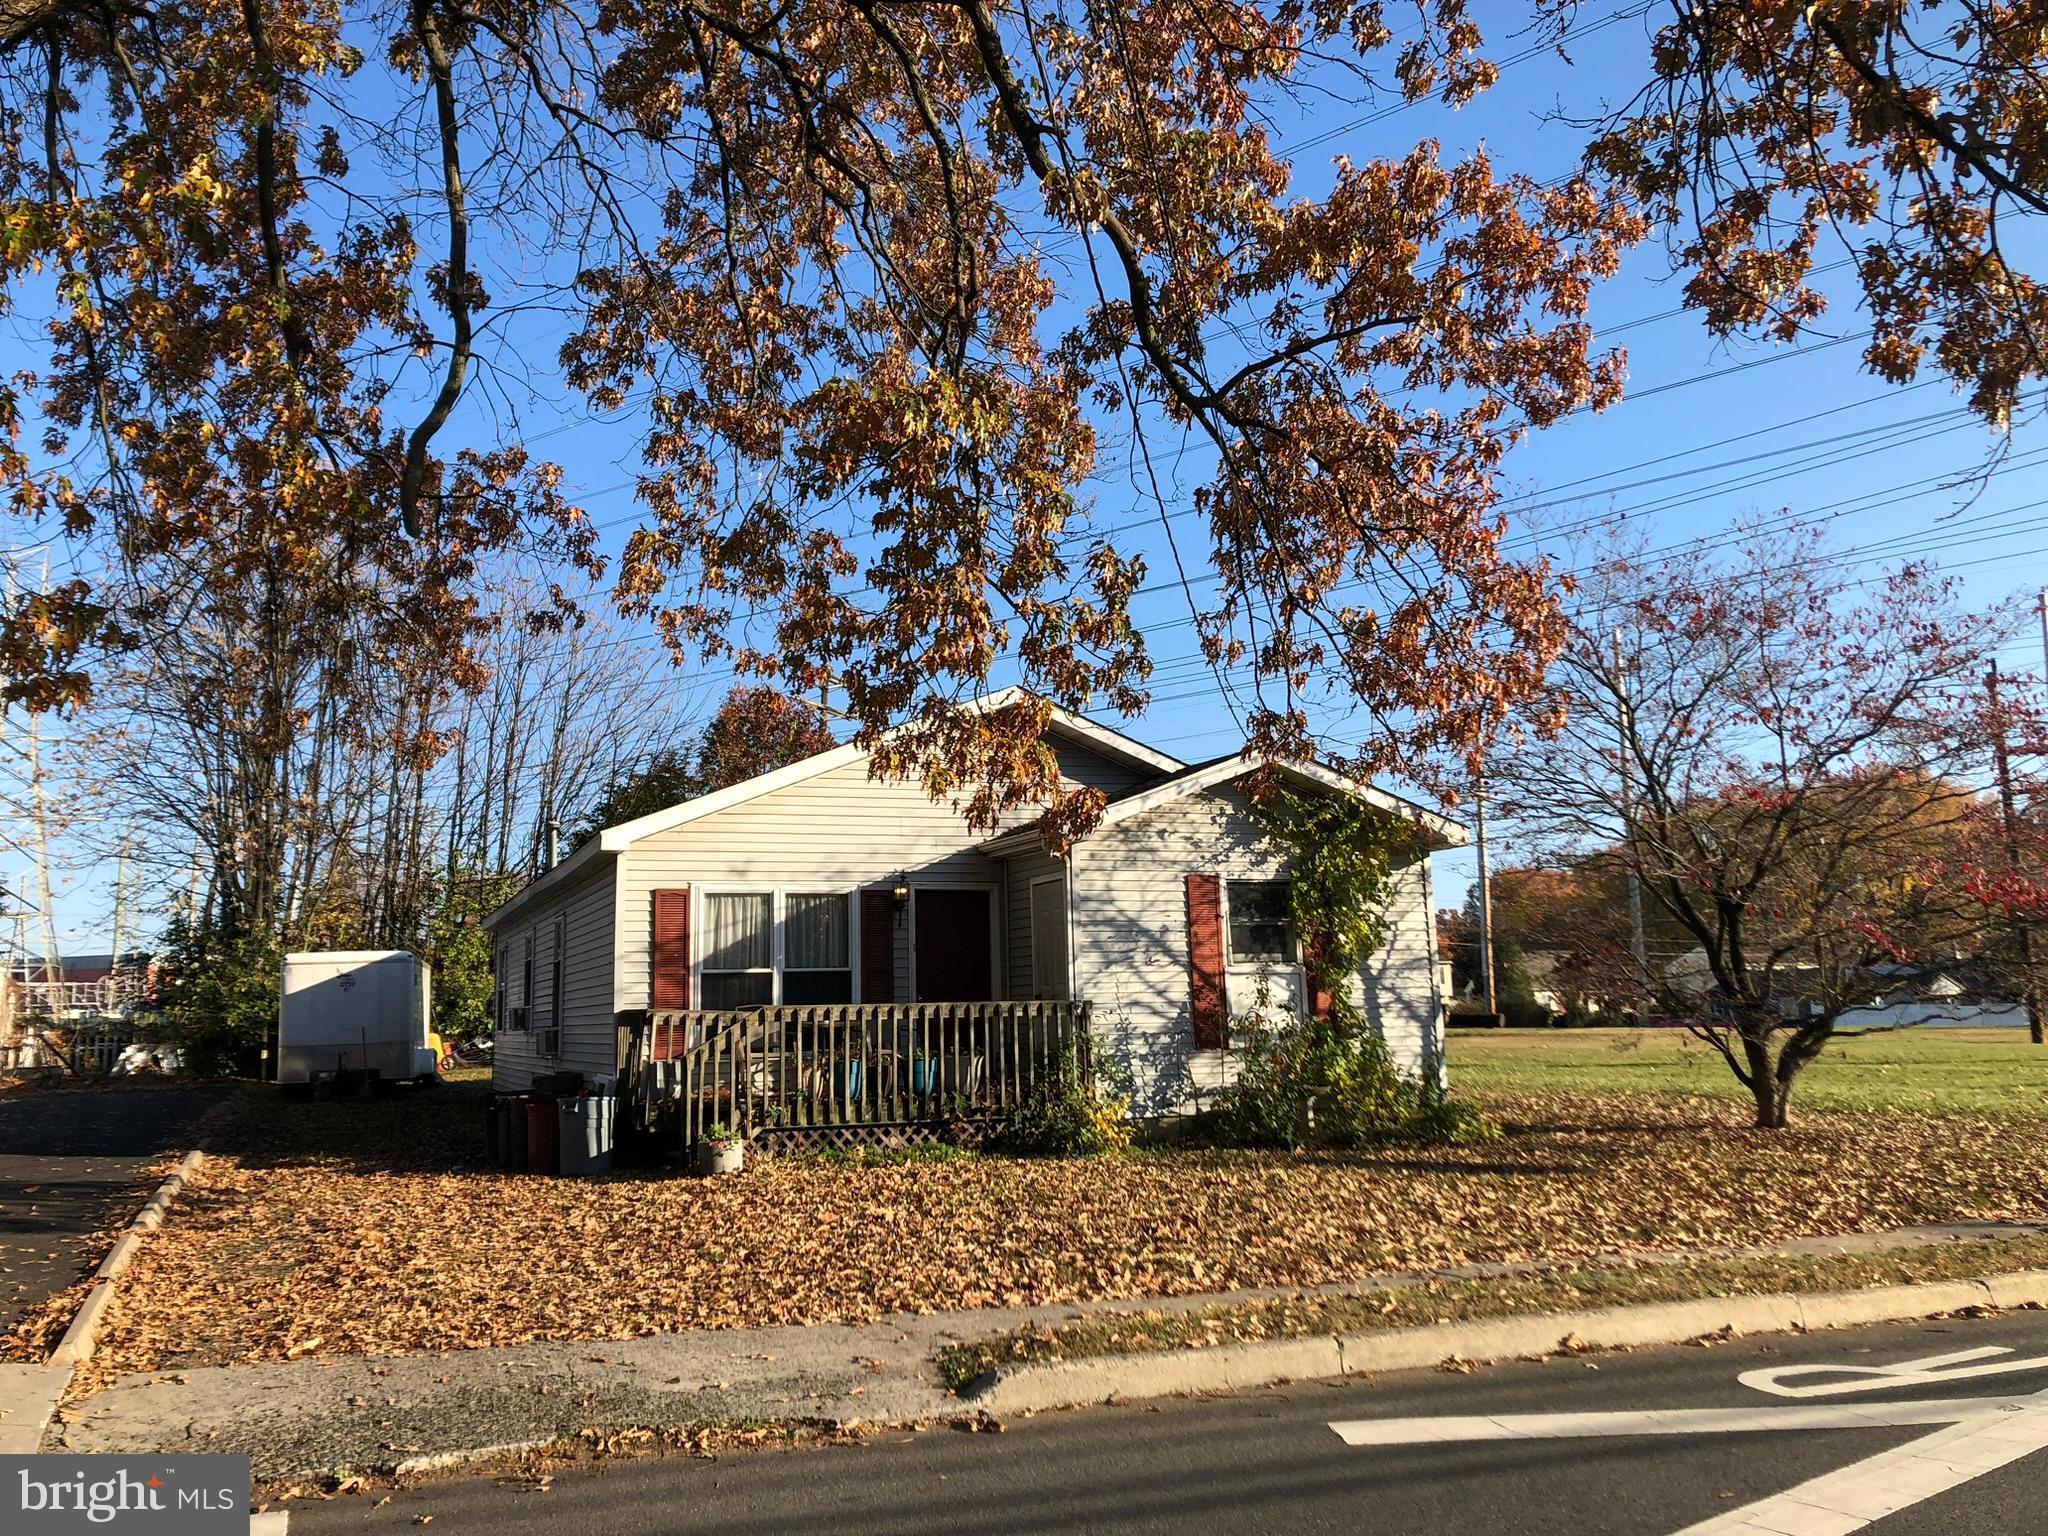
[[323, 1236], [39, 1329]]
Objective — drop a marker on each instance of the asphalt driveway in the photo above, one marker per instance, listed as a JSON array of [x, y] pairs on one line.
[[75, 1164]]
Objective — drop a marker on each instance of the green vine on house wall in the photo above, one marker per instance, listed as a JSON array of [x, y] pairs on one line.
[[1330, 1080], [1340, 854]]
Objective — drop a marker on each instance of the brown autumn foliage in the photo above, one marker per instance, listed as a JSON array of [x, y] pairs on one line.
[[1767, 137], [883, 284], [824, 247], [277, 1251]]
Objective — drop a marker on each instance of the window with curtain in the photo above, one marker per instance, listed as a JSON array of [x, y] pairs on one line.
[[817, 953], [738, 947], [1261, 923]]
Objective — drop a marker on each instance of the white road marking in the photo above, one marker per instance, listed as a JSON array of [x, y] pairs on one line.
[[1932, 1371], [1976, 1435], [272, 1522], [1671, 1421], [1836, 1503]]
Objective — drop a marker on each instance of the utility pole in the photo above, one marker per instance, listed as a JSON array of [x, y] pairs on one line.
[[1485, 896], [1638, 943], [2009, 815]]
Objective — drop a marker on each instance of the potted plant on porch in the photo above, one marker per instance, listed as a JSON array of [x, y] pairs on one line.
[[723, 1150], [849, 1074]]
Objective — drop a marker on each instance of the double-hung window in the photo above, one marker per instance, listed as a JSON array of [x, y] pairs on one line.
[[762, 947], [522, 1016], [1261, 923], [739, 949], [551, 1038], [817, 949]]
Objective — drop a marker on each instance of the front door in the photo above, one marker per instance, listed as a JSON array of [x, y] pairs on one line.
[[1049, 938], [952, 939]]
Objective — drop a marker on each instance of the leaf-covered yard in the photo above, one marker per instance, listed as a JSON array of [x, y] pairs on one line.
[[342, 1228]]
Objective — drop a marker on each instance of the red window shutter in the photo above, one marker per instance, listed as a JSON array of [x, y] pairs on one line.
[[671, 950], [877, 946], [1205, 962]]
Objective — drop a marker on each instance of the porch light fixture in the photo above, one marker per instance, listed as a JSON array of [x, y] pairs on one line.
[[899, 888]]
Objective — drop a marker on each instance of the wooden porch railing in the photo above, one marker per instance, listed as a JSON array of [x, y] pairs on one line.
[[855, 1065]]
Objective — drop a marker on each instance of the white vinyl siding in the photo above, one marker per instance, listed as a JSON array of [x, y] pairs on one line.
[[1019, 871], [1084, 765], [582, 914], [838, 832], [1129, 926]]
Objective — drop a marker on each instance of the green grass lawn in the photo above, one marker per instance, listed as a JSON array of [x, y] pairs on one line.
[[1948, 1071]]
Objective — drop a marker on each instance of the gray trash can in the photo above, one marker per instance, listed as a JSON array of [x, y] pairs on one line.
[[586, 1121]]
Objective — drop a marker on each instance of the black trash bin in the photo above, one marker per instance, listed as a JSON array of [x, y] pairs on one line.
[[512, 1133]]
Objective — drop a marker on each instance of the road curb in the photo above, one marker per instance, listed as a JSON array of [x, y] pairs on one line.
[[442, 1461], [1167, 1373], [80, 1339]]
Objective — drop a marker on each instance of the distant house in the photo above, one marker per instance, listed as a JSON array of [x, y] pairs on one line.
[[1960, 992], [814, 893], [78, 984], [70, 968]]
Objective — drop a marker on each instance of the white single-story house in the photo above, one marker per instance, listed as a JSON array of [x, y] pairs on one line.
[[818, 884]]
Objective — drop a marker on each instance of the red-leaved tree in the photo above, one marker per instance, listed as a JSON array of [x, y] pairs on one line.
[[1795, 766]]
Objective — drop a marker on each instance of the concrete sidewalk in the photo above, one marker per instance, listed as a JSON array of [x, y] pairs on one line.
[[306, 1417], [29, 1394], [410, 1413]]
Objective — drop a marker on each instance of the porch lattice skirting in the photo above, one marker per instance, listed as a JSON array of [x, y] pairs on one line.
[[805, 1077]]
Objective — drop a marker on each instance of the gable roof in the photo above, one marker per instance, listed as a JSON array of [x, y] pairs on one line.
[[1110, 743], [613, 840], [1440, 829]]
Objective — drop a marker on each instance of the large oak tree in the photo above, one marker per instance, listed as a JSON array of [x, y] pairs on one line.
[[881, 280]]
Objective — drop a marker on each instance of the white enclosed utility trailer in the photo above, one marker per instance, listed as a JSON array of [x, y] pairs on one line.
[[355, 1014]]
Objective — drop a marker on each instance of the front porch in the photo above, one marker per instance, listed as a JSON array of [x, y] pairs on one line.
[[810, 1076]]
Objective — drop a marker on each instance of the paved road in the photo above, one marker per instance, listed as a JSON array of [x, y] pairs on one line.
[[1271, 1460], [73, 1164]]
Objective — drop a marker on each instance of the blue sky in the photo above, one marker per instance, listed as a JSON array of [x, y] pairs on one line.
[[1711, 431]]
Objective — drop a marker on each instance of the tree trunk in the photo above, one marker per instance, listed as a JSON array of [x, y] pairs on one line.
[[1767, 1074], [1773, 1098]]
